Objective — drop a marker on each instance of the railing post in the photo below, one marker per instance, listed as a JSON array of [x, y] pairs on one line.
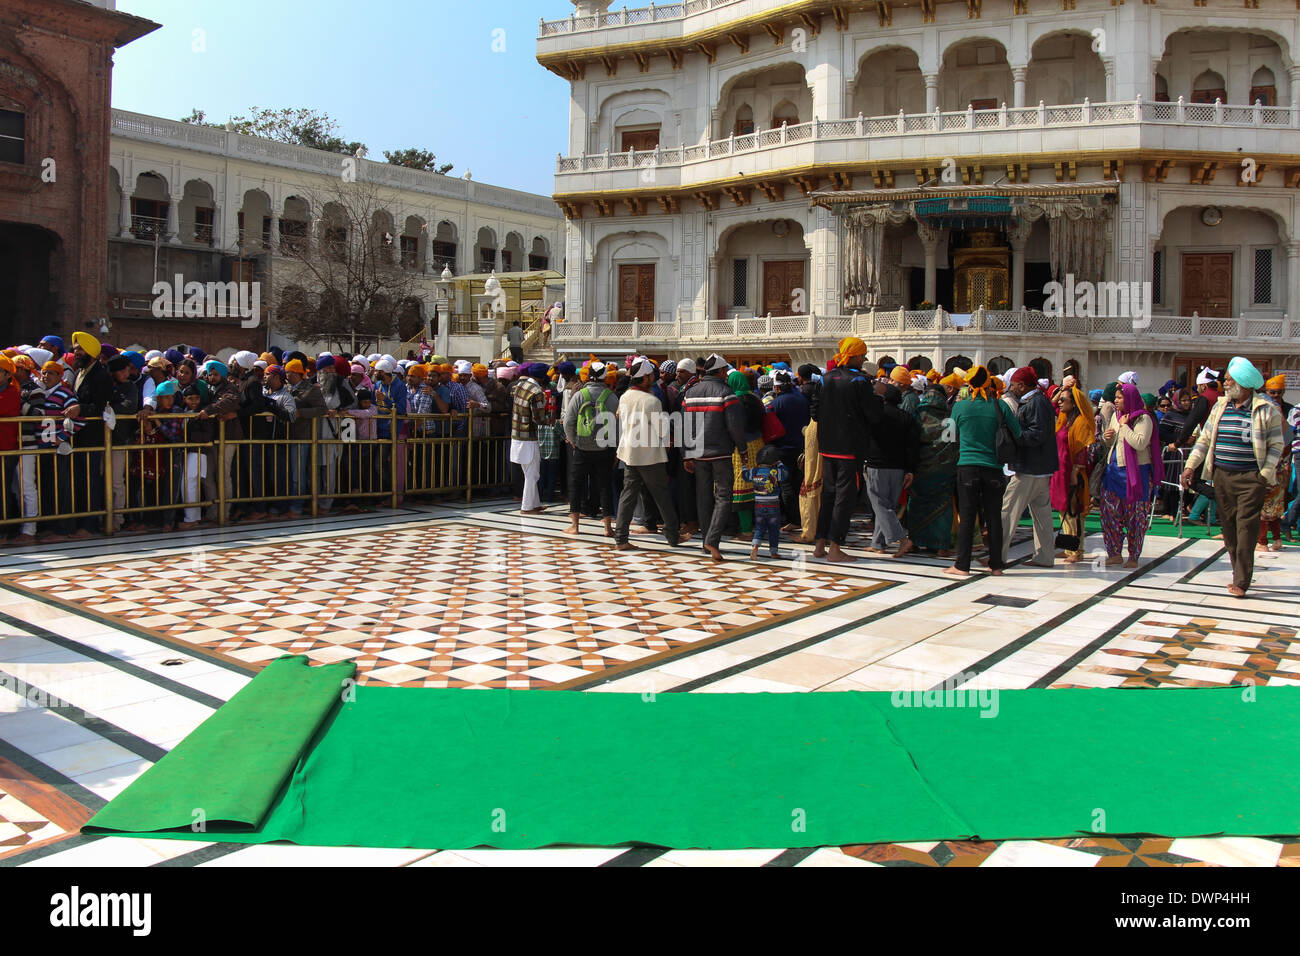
[[768, 327], [1137, 109], [315, 472], [636, 327], [862, 125], [1258, 117], [392, 454], [469, 457], [109, 473], [221, 471], [1087, 111], [970, 117], [902, 122], [1181, 112], [1002, 114], [783, 128], [1042, 113], [1218, 110]]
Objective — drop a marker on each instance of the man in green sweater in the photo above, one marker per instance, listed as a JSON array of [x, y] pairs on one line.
[[980, 480]]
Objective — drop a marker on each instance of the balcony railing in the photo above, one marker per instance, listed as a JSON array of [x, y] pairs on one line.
[[655, 13], [1086, 113], [829, 329], [148, 227]]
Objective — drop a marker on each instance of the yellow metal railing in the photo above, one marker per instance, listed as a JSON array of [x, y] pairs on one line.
[[53, 483]]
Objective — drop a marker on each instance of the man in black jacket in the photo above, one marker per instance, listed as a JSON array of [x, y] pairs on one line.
[[715, 426], [124, 399], [845, 410], [94, 387], [893, 449], [1037, 460]]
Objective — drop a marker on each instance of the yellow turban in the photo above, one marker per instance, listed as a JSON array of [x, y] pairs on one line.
[[979, 380], [88, 343], [1276, 382], [848, 349], [953, 380], [417, 371], [7, 364], [479, 370], [901, 377]]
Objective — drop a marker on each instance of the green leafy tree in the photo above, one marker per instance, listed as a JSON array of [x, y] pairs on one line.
[[413, 158], [297, 127]]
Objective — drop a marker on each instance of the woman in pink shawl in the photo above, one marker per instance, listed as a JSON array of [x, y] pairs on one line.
[[1134, 470]]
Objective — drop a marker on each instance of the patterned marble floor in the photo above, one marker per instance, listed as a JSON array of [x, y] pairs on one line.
[[108, 658]]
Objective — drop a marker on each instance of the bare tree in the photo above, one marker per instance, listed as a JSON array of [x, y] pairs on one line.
[[343, 283]]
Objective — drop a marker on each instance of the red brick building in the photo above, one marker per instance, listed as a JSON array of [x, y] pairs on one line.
[[56, 65]]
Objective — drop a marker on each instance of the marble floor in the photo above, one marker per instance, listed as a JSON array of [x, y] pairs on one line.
[[112, 652]]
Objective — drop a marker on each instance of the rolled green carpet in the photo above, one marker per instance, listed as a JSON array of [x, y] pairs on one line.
[[226, 774], [449, 769]]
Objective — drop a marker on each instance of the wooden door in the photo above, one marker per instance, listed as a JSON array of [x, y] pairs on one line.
[[640, 139], [636, 293], [1207, 284], [782, 283]]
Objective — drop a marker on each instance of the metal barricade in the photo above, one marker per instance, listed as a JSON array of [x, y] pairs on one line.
[[346, 462]]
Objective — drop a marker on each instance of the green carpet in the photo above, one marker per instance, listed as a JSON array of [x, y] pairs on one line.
[[453, 769]]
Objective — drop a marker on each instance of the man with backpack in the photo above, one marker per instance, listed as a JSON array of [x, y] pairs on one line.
[[590, 430]]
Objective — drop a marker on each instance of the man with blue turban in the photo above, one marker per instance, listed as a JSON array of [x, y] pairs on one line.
[[1239, 449]]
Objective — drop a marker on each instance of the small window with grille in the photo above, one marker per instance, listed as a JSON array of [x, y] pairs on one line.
[[740, 283], [1158, 277], [1263, 276]]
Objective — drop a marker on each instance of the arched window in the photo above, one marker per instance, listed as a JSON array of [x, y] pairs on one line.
[[1263, 88], [744, 120], [785, 112], [919, 363], [956, 362], [1042, 367], [1000, 364], [1208, 88], [886, 360], [1162, 89]]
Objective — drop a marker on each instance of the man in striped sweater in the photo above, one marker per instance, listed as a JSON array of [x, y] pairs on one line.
[[1240, 447]]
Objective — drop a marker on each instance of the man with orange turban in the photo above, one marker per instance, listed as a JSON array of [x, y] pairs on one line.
[[847, 407]]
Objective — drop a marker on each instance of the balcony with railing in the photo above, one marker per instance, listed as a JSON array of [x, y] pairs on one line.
[[149, 227], [665, 13], [1013, 131], [933, 325]]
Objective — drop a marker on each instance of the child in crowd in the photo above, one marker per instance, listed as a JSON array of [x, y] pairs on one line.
[[156, 468], [767, 476], [356, 462]]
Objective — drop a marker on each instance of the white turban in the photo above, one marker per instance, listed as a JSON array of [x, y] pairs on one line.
[[244, 359], [1129, 378]]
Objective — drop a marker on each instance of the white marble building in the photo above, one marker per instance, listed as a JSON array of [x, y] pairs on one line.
[[720, 149], [206, 197]]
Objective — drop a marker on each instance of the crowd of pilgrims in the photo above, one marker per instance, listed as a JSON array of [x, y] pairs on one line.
[[933, 460]]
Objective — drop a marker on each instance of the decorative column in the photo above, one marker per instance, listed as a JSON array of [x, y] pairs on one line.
[[929, 237], [1293, 284], [1020, 74], [931, 92], [442, 306], [1018, 235], [124, 216], [275, 235], [173, 220], [1108, 64]]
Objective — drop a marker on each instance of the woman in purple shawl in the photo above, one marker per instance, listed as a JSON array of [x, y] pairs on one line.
[[1134, 471]]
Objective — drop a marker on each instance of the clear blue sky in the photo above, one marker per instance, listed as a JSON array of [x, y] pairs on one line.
[[393, 73]]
